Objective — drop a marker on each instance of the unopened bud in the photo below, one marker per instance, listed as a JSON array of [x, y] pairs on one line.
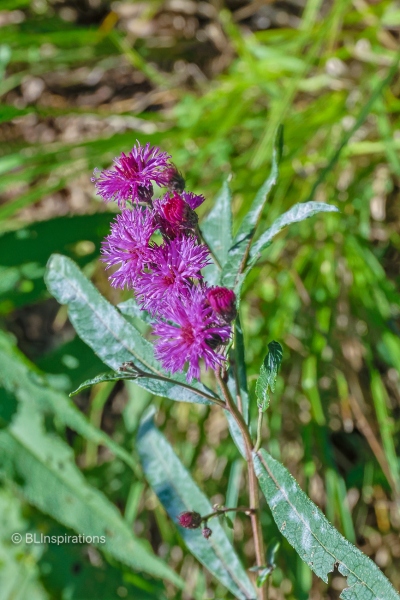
[[174, 215], [206, 532], [223, 302], [175, 210], [189, 520], [176, 182]]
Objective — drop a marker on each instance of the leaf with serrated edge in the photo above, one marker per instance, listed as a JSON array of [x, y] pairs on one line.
[[298, 212], [44, 467], [268, 374], [317, 542], [177, 492], [239, 251], [102, 327]]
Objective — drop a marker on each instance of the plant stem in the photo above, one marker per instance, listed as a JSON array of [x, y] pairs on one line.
[[253, 483], [259, 427], [139, 372], [222, 511]]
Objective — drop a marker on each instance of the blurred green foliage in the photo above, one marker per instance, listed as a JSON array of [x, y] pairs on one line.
[[77, 87]]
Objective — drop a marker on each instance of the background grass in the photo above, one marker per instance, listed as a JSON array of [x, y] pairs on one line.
[[210, 82]]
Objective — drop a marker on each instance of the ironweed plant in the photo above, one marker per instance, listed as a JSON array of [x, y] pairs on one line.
[[186, 280]]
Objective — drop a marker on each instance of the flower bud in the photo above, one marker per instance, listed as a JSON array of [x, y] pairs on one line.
[[174, 215], [223, 302], [175, 210], [175, 181], [206, 532], [189, 520]]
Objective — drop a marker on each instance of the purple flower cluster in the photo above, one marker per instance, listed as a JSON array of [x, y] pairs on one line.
[[192, 320]]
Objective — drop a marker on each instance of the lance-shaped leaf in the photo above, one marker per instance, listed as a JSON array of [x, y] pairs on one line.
[[103, 378], [317, 542], [102, 327], [268, 374], [44, 470], [27, 384], [128, 371], [217, 226], [239, 251], [177, 492], [298, 212], [237, 385]]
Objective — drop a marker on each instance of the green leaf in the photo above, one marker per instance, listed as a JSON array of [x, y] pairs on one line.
[[262, 578], [238, 364], [129, 375], [89, 581], [20, 563], [44, 467], [28, 385], [177, 492], [272, 550], [102, 378], [298, 212], [240, 361], [268, 374], [130, 308], [7, 113], [239, 251], [217, 226], [236, 434], [112, 338], [317, 542]]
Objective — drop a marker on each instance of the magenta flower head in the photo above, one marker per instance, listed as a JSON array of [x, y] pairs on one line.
[[223, 302], [173, 266], [174, 215], [132, 175], [128, 245], [192, 334], [189, 520]]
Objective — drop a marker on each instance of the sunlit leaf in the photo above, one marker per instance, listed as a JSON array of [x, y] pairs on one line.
[[130, 308], [114, 340], [49, 479], [178, 492], [217, 232], [317, 542], [27, 384], [239, 251], [102, 378], [298, 212], [237, 385], [268, 374]]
